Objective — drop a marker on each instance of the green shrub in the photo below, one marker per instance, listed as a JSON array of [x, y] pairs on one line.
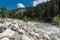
[[25, 18], [0, 16], [56, 20]]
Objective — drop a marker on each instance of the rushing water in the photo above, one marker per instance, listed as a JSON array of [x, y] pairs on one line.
[[51, 32]]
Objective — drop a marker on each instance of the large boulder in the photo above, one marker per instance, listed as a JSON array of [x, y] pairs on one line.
[[5, 38], [25, 37]]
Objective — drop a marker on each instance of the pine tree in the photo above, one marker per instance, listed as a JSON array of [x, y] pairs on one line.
[[5, 12]]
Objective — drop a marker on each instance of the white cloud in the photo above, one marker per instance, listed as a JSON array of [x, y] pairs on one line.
[[39, 1], [35, 3], [20, 5]]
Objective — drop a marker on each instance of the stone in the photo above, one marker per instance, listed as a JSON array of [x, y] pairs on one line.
[[5, 38], [25, 37], [8, 32], [20, 30]]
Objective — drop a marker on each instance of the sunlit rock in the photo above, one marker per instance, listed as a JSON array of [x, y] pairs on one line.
[[5, 38], [8, 32], [25, 37], [20, 30]]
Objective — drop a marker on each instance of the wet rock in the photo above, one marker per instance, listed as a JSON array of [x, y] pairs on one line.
[[5, 38], [2, 29], [21, 30], [8, 32], [25, 37]]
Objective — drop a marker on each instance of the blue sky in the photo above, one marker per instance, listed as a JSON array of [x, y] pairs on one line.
[[12, 4]]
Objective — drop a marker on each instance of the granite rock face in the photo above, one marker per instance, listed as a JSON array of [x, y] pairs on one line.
[[20, 30]]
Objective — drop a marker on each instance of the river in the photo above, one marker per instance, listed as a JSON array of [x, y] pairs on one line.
[[52, 32]]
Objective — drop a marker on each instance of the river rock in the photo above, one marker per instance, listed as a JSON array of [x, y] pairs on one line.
[[5, 38], [20, 30], [25, 37]]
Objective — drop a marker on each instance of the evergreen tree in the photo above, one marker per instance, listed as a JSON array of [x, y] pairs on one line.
[[5, 12]]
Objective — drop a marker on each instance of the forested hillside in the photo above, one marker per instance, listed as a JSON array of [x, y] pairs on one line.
[[43, 12]]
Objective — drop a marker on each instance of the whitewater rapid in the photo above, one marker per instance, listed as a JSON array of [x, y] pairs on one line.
[[30, 30], [51, 32]]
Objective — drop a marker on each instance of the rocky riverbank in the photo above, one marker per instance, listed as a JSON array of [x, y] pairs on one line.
[[13, 29]]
